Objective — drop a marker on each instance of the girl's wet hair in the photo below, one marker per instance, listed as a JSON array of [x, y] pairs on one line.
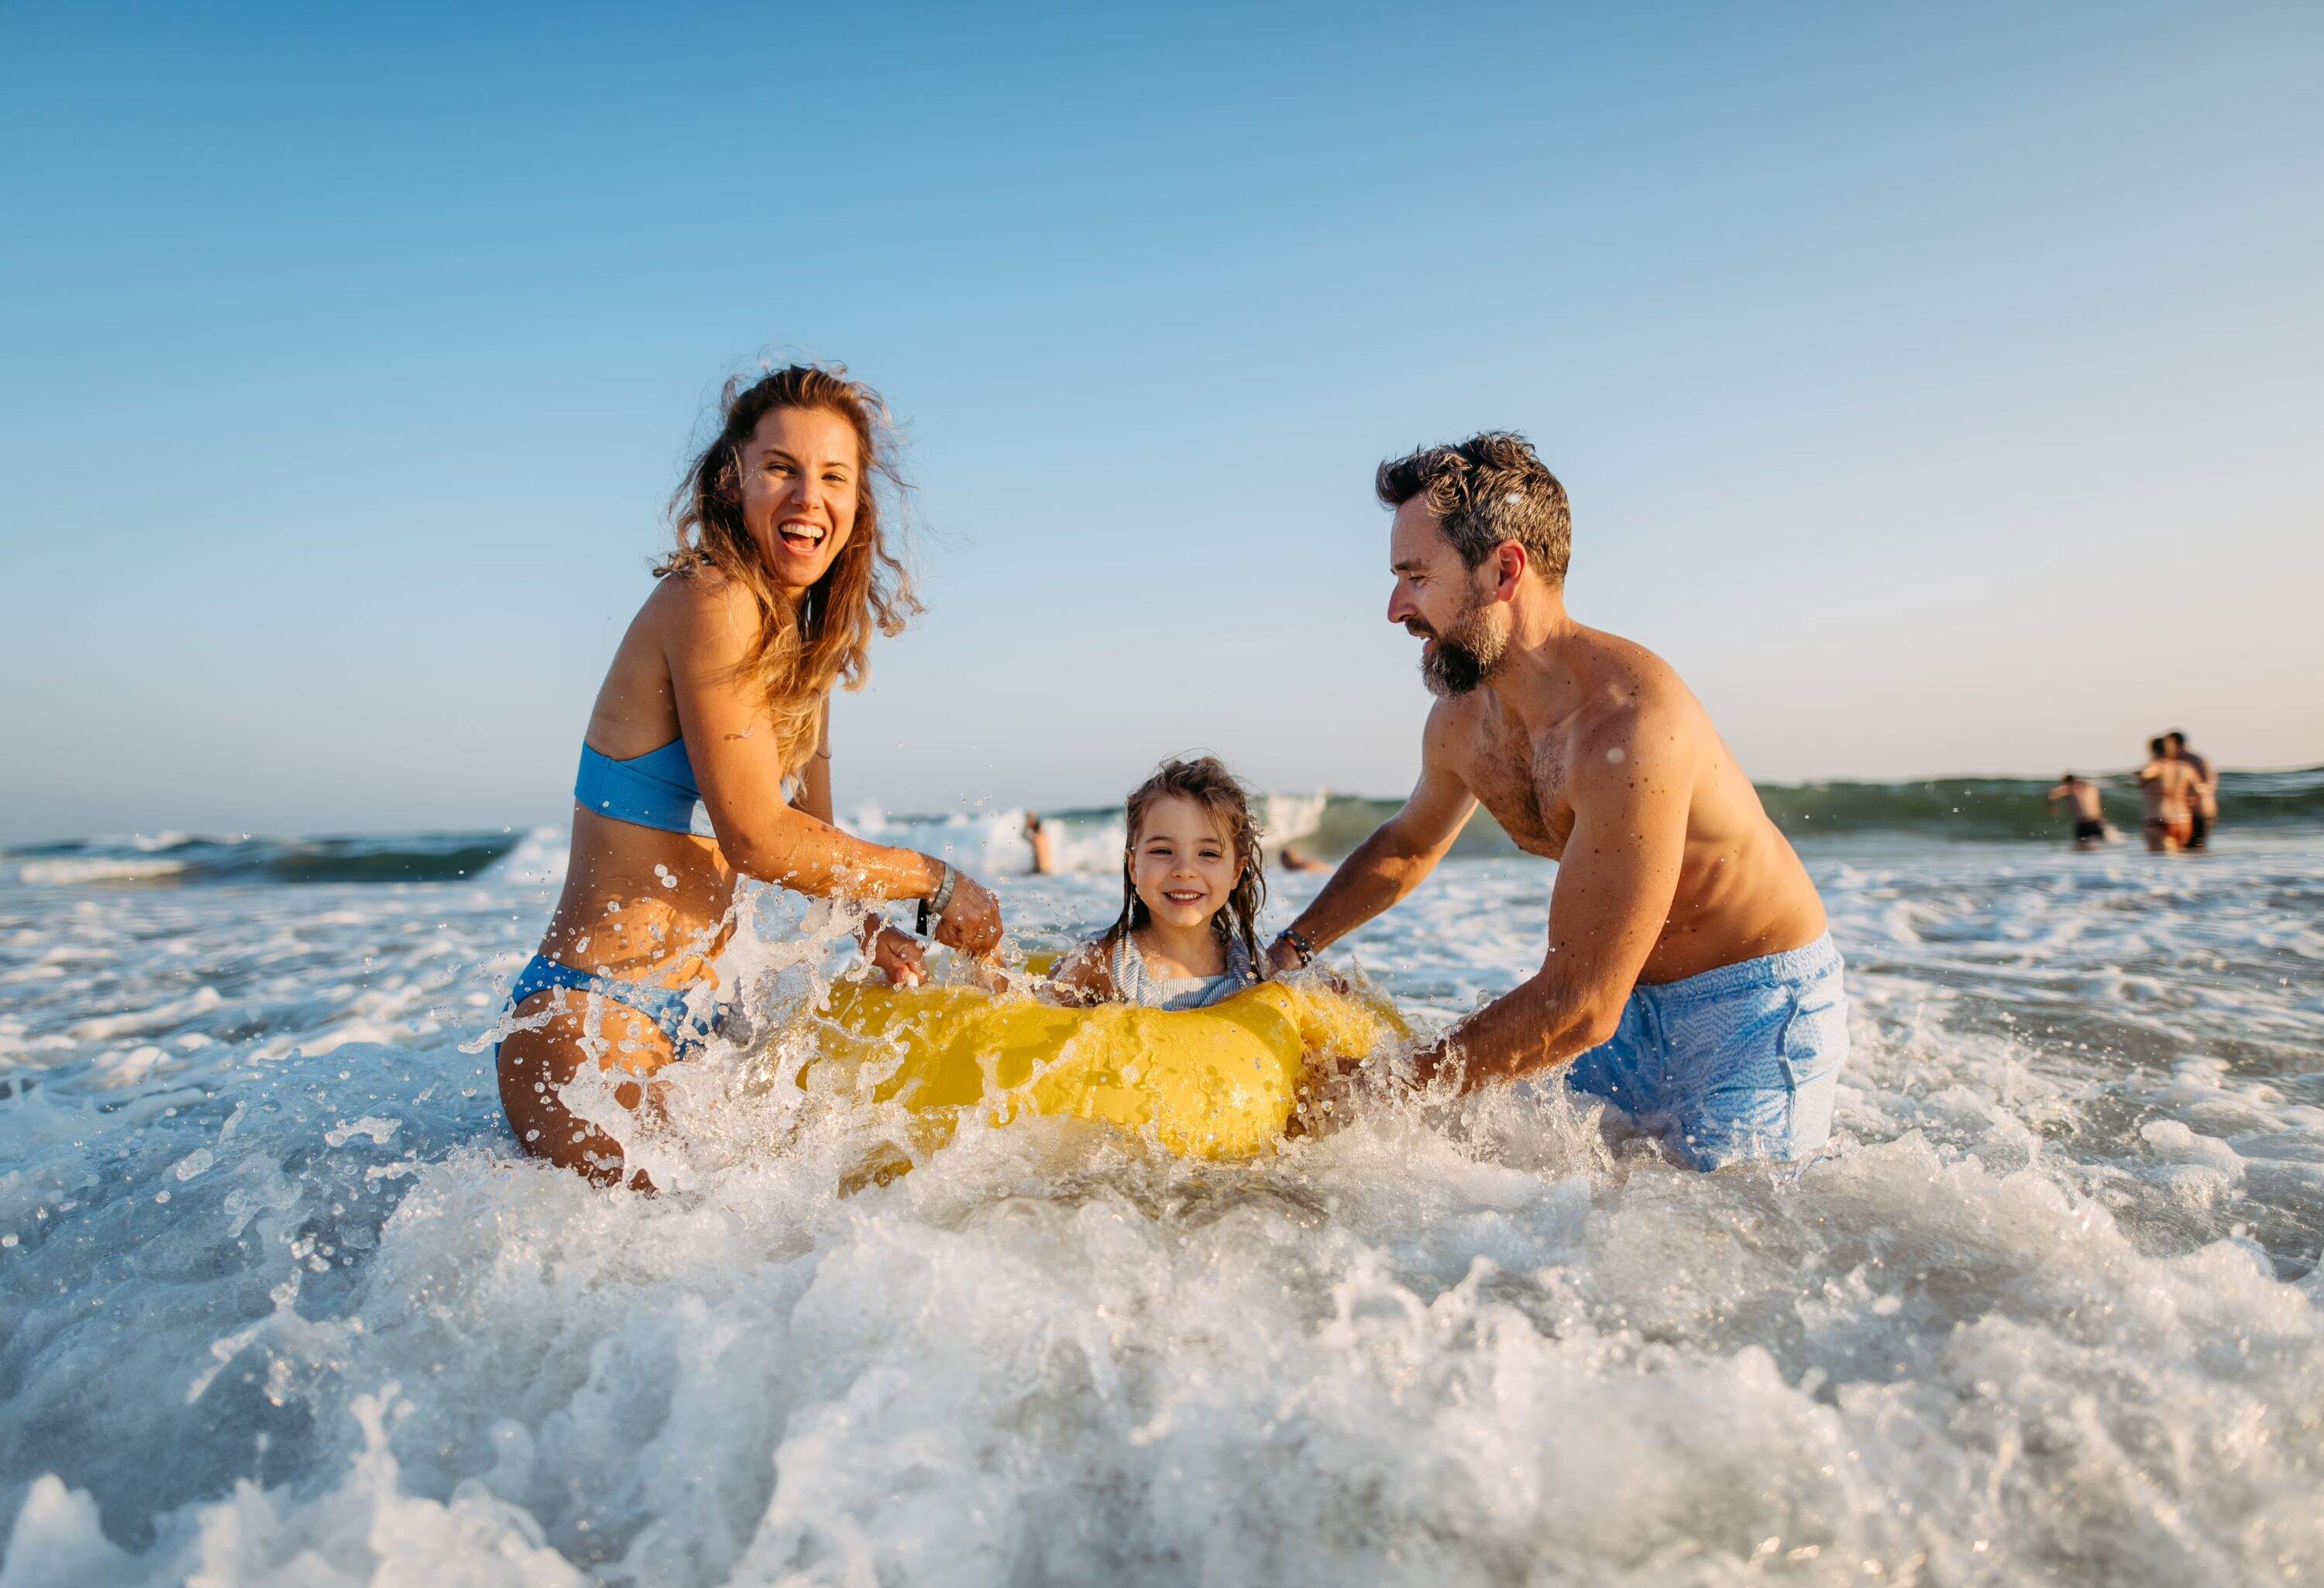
[[1206, 780], [802, 648]]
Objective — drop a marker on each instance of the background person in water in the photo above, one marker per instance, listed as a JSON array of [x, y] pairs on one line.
[[720, 693], [2203, 812], [2172, 790], [1043, 848], [1292, 858], [2089, 809], [1689, 978]]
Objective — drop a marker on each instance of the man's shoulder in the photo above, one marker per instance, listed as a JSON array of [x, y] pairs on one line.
[[1452, 723], [1631, 692], [1639, 725]]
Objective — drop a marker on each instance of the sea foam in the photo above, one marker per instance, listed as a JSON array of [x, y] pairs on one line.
[[281, 1303]]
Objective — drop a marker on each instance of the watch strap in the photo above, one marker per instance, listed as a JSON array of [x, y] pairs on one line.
[[932, 908]]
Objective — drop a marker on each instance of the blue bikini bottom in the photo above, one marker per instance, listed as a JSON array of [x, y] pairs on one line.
[[665, 1006]]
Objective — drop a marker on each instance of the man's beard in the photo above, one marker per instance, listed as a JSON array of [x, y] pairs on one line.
[[1465, 656]]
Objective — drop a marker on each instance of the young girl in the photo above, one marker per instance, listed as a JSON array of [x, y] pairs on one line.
[[1192, 884]]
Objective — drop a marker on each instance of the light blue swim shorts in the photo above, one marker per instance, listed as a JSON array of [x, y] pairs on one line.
[[1736, 1063]]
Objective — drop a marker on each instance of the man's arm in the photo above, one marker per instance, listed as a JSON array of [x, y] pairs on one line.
[[1397, 858], [1609, 908]]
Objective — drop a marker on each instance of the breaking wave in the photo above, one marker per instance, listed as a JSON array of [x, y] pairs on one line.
[[991, 841]]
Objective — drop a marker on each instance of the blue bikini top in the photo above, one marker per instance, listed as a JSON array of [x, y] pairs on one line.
[[656, 790]]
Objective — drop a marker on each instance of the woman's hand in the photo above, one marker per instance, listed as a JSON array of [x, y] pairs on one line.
[[898, 956], [971, 921]]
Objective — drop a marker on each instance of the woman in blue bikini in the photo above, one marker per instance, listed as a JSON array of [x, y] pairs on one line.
[[719, 702]]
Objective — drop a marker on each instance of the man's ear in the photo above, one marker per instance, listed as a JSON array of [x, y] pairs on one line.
[[1510, 561]]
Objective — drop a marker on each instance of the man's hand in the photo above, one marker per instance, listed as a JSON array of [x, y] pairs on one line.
[[1434, 1061], [971, 921], [1342, 1082], [1282, 959]]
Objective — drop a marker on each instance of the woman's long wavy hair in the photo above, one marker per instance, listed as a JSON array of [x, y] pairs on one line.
[[1206, 782], [803, 647]]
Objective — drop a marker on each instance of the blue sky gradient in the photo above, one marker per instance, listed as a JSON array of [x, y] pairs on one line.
[[1937, 388]]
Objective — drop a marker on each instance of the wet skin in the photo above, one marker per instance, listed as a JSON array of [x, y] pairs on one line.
[[648, 906], [2087, 799], [1589, 750]]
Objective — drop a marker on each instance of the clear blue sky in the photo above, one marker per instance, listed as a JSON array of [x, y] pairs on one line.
[[1938, 387]]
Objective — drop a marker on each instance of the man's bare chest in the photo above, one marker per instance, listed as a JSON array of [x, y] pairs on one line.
[[1521, 782]]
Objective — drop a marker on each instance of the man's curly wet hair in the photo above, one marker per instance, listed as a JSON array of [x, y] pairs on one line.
[[1485, 490]]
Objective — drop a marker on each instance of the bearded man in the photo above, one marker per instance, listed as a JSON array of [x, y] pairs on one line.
[[1690, 980]]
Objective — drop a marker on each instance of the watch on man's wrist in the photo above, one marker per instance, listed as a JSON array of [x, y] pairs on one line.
[[1299, 946]]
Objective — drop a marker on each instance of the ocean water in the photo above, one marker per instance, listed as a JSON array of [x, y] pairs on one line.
[[280, 1305]]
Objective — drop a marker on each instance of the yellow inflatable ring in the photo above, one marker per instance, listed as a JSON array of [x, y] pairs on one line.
[[1216, 1082]]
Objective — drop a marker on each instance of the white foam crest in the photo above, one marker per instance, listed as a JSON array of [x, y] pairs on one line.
[[77, 870], [1284, 818], [539, 858]]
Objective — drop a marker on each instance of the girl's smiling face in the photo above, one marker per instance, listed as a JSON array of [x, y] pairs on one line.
[[1184, 864]]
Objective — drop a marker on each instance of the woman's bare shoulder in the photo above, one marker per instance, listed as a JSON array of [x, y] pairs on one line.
[[700, 589], [701, 608]]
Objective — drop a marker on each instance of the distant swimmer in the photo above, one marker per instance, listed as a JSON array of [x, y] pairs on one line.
[[2172, 791], [718, 703], [1292, 858], [2090, 811], [1690, 978], [2204, 813], [1045, 850]]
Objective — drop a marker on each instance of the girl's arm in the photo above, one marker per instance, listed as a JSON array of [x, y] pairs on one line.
[[1085, 975], [731, 745]]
